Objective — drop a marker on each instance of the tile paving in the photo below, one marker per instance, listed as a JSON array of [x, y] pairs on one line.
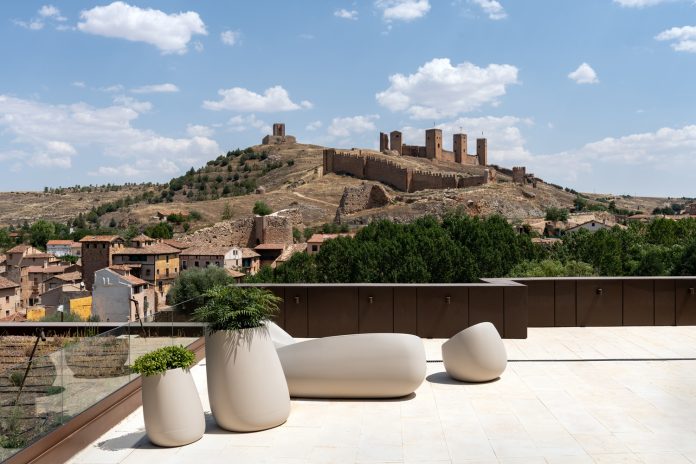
[[628, 404]]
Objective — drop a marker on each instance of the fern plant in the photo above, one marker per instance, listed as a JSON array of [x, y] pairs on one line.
[[235, 308], [164, 359]]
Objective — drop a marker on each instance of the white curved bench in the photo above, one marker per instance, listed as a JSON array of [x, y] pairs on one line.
[[375, 365], [476, 354]]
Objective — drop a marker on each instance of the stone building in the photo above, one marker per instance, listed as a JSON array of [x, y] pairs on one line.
[[18, 262], [97, 253], [278, 137], [118, 296], [316, 241], [9, 297], [62, 247], [434, 150], [200, 257]]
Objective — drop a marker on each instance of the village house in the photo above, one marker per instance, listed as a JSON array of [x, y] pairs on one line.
[[289, 251], [9, 297], [62, 294], [119, 296], [592, 226], [163, 215], [38, 275], [72, 277], [3, 262], [19, 260], [97, 253], [202, 256], [269, 252], [251, 261], [153, 262], [62, 248], [317, 240]]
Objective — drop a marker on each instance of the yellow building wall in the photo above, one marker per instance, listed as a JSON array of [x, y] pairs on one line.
[[81, 307], [36, 314], [161, 266]]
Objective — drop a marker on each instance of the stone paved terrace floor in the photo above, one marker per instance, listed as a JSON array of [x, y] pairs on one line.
[[616, 408]]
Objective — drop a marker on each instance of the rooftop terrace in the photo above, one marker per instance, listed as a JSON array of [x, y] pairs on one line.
[[569, 395]]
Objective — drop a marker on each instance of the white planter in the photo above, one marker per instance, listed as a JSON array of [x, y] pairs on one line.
[[246, 384], [172, 408]]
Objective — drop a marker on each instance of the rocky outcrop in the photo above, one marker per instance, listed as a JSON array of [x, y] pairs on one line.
[[362, 197]]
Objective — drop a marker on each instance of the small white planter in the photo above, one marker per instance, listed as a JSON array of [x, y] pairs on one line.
[[172, 408], [246, 385]]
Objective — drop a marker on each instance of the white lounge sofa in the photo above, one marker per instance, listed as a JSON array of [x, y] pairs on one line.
[[375, 365], [476, 354]]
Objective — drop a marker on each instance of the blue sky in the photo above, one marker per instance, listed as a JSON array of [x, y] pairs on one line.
[[596, 95]]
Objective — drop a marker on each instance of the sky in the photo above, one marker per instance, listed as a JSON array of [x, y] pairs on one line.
[[594, 95]]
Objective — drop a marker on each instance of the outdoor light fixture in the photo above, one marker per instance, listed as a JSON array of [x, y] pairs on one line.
[[599, 291]]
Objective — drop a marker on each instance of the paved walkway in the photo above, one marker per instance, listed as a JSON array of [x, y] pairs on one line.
[[616, 408]]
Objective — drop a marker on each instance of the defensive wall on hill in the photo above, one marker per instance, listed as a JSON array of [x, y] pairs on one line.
[[391, 173]]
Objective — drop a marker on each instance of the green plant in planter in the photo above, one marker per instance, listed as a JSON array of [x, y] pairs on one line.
[[163, 359], [235, 308]]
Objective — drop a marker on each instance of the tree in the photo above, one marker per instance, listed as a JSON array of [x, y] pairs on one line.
[[41, 232], [226, 212], [551, 268], [5, 239], [261, 209], [113, 223], [556, 214], [187, 290], [160, 230]]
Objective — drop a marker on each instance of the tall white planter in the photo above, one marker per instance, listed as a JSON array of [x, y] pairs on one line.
[[172, 408], [246, 384]]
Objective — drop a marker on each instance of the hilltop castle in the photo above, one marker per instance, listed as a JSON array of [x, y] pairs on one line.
[[278, 137], [433, 148]]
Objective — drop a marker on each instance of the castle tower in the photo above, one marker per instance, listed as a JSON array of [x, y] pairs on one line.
[[482, 151], [279, 129], [459, 147], [395, 141], [383, 142], [433, 144]]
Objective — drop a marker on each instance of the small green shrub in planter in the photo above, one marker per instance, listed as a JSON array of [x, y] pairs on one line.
[[236, 308], [163, 359]]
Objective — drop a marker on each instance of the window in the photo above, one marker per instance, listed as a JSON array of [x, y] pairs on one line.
[[195, 263], [167, 272], [157, 271], [167, 258], [7, 299], [315, 247], [207, 263], [7, 312], [147, 272], [183, 265]]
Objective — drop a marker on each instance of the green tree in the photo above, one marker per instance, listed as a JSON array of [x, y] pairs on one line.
[[261, 209], [552, 268], [188, 288], [556, 214], [160, 230], [226, 212], [41, 232], [5, 239]]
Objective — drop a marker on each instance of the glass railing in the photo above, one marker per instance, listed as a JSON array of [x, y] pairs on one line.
[[69, 374]]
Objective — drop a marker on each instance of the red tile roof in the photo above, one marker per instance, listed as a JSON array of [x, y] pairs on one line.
[[61, 242], [18, 249], [101, 238], [58, 269], [207, 250], [7, 283], [155, 249], [270, 246], [249, 253], [176, 244], [320, 238]]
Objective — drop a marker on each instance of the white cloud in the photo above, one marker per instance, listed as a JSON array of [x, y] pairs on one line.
[[640, 3], [53, 135], [492, 8], [112, 88], [197, 130], [345, 127], [241, 123], [170, 33], [50, 11], [33, 25], [584, 75], [79, 84], [240, 99], [314, 125], [403, 10], [684, 38], [230, 38], [132, 103], [346, 14], [156, 88], [439, 89]]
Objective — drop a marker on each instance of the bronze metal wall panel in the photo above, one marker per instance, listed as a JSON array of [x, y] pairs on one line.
[[565, 310], [442, 311], [405, 310], [279, 318], [376, 309], [486, 305], [332, 311], [295, 309], [638, 302], [515, 312], [540, 302], [599, 303], [685, 299], [664, 302]]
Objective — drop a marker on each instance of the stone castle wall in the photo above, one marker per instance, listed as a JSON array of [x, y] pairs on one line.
[[390, 173]]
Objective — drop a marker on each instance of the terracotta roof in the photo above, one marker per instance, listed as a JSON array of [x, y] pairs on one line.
[[60, 242], [7, 283], [270, 246], [69, 276], [176, 244], [154, 249], [207, 250], [249, 253], [18, 249], [40, 255], [58, 269], [133, 280], [100, 238], [235, 274], [121, 267], [291, 250], [320, 238]]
